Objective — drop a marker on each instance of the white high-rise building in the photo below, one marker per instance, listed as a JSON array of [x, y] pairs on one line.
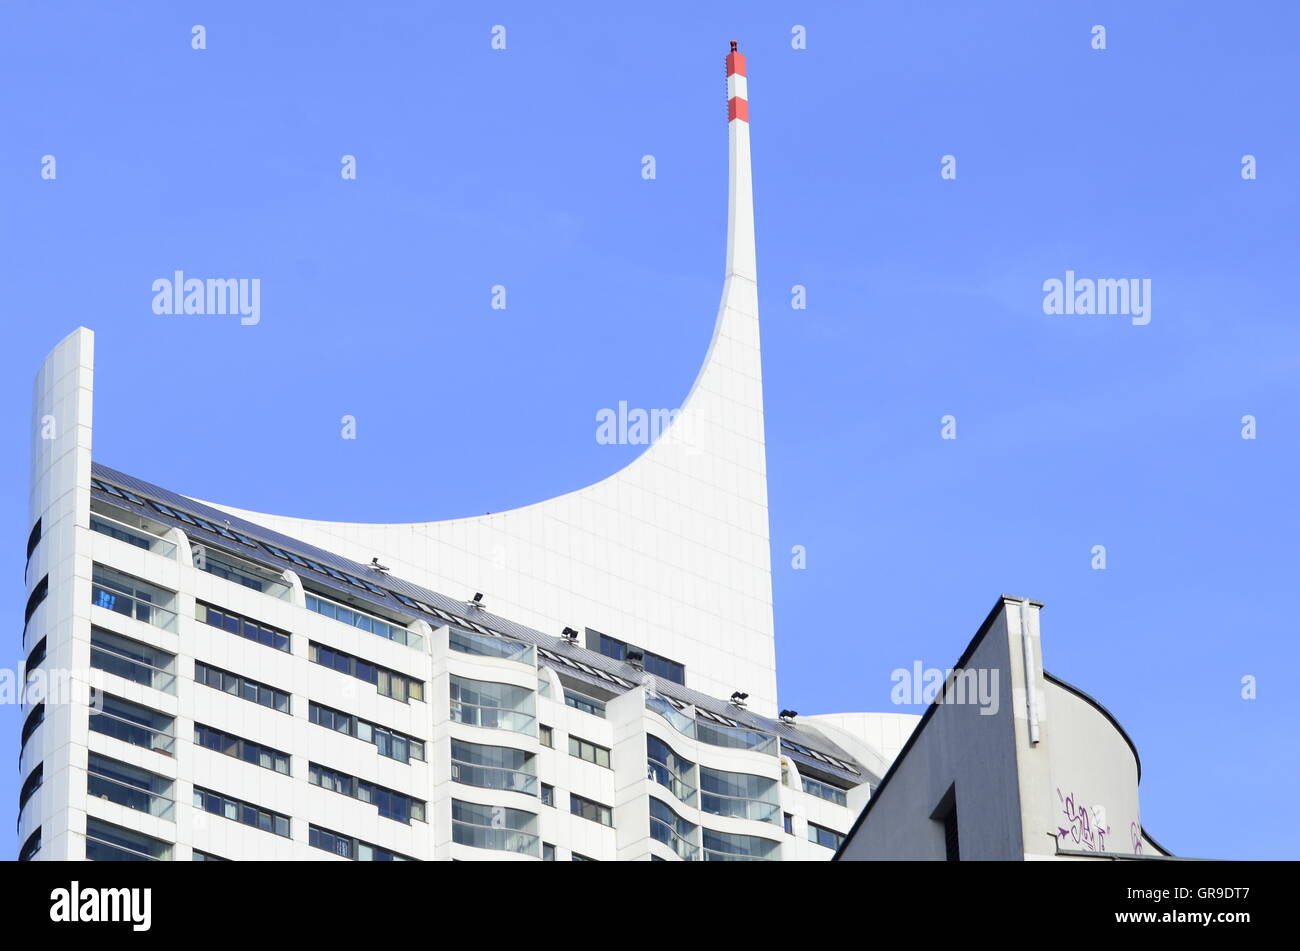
[[279, 688]]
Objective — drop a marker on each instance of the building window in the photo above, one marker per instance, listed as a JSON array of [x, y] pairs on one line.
[[132, 660], [239, 686], [391, 804], [35, 658], [129, 786], [106, 842], [824, 836], [548, 794], [34, 719], [824, 791], [33, 783], [545, 736], [33, 539], [789, 824], [389, 743], [590, 809], [653, 663], [134, 724], [365, 622], [578, 857], [39, 594], [488, 645], [197, 856], [389, 683], [250, 752], [350, 848], [731, 847], [241, 626], [742, 795], [31, 846], [584, 703], [548, 852], [584, 749], [242, 812], [669, 770], [493, 767], [494, 827], [123, 594], [672, 830], [493, 706]]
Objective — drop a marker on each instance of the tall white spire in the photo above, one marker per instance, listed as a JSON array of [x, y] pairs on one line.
[[671, 553]]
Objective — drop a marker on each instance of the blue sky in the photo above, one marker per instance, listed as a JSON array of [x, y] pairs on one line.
[[522, 168]]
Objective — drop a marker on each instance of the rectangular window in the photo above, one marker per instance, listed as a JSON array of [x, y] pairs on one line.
[[590, 809], [824, 836], [129, 786], [548, 794], [389, 743], [389, 683], [824, 791], [365, 622], [242, 812], [545, 736], [242, 626], [391, 804], [132, 660], [584, 749], [230, 745], [243, 687], [134, 724], [127, 595], [951, 839], [584, 703], [548, 852], [106, 842], [349, 848]]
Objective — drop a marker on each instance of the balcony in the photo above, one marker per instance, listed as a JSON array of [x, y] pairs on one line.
[[494, 777], [129, 786], [129, 659], [241, 572], [365, 622], [130, 528], [134, 724], [122, 594], [483, 645], [494, 718]]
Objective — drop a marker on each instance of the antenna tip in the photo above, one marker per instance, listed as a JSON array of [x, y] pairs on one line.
[[733, 46]]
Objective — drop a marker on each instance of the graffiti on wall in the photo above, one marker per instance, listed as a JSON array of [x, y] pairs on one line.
[[1085, 828]]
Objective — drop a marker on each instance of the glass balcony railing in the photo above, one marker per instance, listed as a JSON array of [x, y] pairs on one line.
[[366, 622], [109, 661], [676, 719], [241, 572], [662, 774], [484, 645], [501, 840], [97, 850], [661, 831], [713, 855], [494, 777], [136, 734], [735, 737], [739, 808], [140, 537], [133, 797], [493, 718], [107, 595]]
